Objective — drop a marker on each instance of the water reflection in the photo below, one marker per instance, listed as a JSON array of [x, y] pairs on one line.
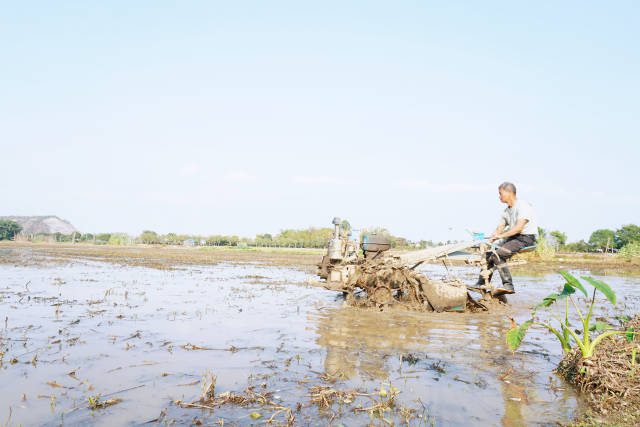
[[457, 363]]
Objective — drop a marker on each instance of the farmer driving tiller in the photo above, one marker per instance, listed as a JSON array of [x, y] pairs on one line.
[[380, 277], [520, 221]]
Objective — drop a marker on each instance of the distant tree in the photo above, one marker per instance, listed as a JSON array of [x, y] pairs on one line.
[[149, 237], [170, 238], [400, 242], [309, 238], [600, 238], [120, 239], [85, 237], [306, 238], [580, 246], [103, 237], [627, 234], [380, 231], [222, 240], [62, 237], [213, 241], [542, 234], [8, 229], [263, 239], [560, 237]]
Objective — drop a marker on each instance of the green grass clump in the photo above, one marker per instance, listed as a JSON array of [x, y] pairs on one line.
[[544, 251], [631, 250]]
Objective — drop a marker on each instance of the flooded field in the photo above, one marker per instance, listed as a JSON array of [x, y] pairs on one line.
[[84, 340]]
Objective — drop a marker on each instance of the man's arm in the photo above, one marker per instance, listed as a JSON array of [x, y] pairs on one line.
[[516, 229]]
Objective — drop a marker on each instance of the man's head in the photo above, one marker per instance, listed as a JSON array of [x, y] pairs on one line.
[[507, 193]]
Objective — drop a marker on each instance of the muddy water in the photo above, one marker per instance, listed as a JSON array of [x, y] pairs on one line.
[[147, 336]]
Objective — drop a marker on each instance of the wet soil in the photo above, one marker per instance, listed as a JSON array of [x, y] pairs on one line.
[[90, 336], [167, 257], [160, 257]]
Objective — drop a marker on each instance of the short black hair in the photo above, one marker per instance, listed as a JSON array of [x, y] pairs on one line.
[[507, 186]]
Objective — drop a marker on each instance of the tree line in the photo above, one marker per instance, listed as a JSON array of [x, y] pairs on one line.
[[606, 240], [312, 237], [627, 236]]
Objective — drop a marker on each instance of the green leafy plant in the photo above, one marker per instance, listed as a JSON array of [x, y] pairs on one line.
[[8, 229], [565, 333], [629, 251]]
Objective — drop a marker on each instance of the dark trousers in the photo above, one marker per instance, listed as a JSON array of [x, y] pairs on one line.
[[509, 248]]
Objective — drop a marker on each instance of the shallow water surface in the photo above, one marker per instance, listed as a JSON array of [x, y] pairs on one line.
[[71, 331]]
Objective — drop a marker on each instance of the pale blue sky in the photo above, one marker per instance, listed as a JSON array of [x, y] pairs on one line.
[[248, 117]]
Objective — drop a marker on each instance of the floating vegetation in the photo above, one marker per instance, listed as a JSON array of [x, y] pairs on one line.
[[325, 396], [250, 397], [96, 403]]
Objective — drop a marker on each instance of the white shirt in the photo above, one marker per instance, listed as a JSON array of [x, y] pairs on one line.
[[520, 210]]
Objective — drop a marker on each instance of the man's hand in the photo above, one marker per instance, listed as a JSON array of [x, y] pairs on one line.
[[494, 237], [497, 233], [510, 232]]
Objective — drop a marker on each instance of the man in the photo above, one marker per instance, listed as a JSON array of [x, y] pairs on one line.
[[521, 230]]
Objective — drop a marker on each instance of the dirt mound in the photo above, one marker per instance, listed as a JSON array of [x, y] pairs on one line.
[[42, 224], [610, 378], [382, 284]]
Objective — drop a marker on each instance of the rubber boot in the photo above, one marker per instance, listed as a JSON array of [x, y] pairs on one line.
[[478, 285], [507, 282]]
